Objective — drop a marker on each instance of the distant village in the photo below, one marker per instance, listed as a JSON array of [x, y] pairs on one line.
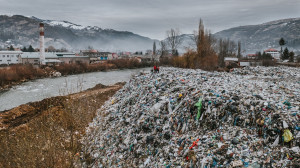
[[85, 56], [90, 56]]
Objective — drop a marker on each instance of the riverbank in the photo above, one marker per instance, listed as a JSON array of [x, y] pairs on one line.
[[17, 74], [47, 133]]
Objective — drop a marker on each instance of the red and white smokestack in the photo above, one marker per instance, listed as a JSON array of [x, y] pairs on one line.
[[42, 44]]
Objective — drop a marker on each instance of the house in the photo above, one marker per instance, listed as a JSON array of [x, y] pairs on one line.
[[250, 62], [10, 57], [244, 63], [97, 56], [53, 58], [105, 56], [115, 56], [252, 56], [230, 61], [274, 53]]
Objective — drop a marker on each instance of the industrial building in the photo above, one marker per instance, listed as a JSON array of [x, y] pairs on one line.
[[274, 53], [10, 57], [52, 58], [96, 56]]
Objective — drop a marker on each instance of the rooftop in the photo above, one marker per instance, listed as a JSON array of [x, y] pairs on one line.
[[271, 50], [11, 52], [50, 55], [230, 59]]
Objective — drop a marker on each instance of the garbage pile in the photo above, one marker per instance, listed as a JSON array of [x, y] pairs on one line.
[[193, 118]]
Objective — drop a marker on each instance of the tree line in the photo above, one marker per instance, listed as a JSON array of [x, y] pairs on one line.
[[49, 49], [205, 52]]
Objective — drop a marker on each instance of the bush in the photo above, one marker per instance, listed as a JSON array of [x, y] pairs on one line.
[[268, 62], [19, 73], [191, 59]]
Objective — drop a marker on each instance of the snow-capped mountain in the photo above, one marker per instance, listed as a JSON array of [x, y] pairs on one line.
[[24, 30], [64, 24]]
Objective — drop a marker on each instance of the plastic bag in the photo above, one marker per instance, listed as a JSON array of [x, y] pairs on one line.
[[199, 105], [287, 135]]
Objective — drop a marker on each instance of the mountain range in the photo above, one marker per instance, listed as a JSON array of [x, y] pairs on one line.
[[262, 36], [18, 29], [22, 30]]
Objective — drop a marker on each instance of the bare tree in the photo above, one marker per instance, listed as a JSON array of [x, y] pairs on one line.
[[223, 51], [239, 55], [154, 51], [206, 57], [51, 49], [232, 48], [174, 39], [163, 48], [154, 48]]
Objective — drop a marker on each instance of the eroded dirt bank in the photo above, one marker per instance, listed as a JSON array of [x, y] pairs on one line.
[[47, 133]]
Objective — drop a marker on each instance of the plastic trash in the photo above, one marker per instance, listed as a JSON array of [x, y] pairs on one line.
[[199, 106], [193, 118], [287, 135]]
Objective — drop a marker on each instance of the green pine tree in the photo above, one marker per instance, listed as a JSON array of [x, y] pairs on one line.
[[24, 49], [291, 56], [281, 43], [30, 49], [285, 54], [11, 48]]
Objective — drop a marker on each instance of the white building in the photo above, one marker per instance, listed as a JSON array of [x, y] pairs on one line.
[[274, 53], [53, 58], [10, 57], [231, 60]]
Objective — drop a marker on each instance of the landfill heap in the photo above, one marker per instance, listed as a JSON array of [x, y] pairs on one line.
[[193, 118]]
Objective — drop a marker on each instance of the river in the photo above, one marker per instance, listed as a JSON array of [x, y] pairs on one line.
[[49, 87]]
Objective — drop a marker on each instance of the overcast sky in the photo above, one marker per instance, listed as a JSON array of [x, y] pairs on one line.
[[152, 18]]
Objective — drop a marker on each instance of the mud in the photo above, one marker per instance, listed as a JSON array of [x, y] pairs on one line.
[[24, 113]]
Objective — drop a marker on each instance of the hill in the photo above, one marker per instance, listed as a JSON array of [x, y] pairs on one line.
[[259, 37]]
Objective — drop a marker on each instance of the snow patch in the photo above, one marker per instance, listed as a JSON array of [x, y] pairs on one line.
[[66, 24]]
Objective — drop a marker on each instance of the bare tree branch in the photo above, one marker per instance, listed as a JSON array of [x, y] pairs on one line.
[[174, 39]]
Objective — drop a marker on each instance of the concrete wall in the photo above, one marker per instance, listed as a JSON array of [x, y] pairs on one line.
[[34, 61], [66, 60], [77, 59]]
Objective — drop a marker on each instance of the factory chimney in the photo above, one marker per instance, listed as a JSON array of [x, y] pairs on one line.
[[42, 45]]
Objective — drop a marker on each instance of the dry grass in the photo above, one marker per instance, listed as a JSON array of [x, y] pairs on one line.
[[128, 63], [191, 59], [17, 73]]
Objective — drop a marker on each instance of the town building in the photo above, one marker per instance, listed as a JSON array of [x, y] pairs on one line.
[[53, 58], [105, 56], [230, 61], [250, 62], [252, 56], [95, 55], [274, 53], [10, 57]]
